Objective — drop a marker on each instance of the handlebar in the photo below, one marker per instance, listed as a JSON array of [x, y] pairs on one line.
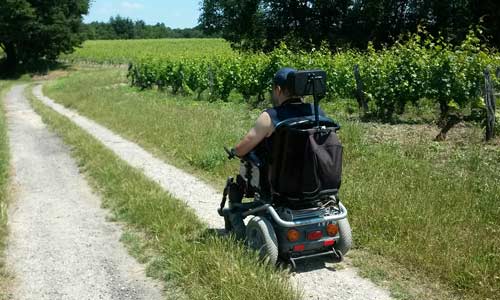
[[249, 157], [230, 153]]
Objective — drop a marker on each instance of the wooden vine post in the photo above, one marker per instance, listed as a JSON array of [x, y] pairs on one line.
[[360, 95], [489, 99], [211, 81]]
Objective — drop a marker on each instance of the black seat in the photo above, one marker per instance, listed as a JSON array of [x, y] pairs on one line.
[[306, 161]]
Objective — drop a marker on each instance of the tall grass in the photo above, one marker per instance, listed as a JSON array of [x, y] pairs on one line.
[[432, 207], [196, 259]]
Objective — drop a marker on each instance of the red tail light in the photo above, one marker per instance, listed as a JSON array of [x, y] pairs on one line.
[[298, 248], [314, 235], [328, 243]]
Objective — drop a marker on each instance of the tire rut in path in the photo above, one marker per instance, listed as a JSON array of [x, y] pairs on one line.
[[60, 246], [317, 282]]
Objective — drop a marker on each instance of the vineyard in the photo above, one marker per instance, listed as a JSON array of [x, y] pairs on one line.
[[126, 51], [390, 79]]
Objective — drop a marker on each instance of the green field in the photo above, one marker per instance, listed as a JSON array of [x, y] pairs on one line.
[[431, 207], [125, 51]]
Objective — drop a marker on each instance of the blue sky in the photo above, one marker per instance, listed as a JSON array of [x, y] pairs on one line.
[[175, 14]]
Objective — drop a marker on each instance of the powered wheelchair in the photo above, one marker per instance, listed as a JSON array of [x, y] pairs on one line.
[[296, 212]]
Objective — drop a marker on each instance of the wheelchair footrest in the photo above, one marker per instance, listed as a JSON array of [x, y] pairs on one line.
[[336, 255]]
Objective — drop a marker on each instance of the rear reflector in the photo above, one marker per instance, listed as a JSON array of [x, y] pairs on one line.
[[332, 229], [293, 235], [328, 243], [314, 235], [297, 248]]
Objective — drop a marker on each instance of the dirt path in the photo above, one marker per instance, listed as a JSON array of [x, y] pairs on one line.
[[60, 246], [317, 281]]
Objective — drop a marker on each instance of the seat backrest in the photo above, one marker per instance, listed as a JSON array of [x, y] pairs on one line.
[[306, 161]]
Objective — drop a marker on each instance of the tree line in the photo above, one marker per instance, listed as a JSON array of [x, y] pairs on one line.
[[124, 28], [33, 29], [264, 24]]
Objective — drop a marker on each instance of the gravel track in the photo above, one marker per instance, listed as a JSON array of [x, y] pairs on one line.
[[318, 279], [60, 246]]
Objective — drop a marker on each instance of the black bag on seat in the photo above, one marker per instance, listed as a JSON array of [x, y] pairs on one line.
[[306, 162]]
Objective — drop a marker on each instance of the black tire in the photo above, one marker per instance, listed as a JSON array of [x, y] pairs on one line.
[[233, 224], [227, 225], [344, 244], [261, 237]]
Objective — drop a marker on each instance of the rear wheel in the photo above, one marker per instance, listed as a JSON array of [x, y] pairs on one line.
[[344, 244], [261, 237]]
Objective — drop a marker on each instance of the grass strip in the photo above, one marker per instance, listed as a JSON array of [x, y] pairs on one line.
[[430, 207], [4, 180], [203, 264]]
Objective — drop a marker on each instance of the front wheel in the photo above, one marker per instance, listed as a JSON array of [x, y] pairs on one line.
[[227, 225], [261, 237], [233, 223]]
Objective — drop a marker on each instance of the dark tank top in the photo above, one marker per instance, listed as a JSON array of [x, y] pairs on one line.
[[291, 108]]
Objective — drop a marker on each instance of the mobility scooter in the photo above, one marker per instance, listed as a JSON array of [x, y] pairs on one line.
[[296, 212]]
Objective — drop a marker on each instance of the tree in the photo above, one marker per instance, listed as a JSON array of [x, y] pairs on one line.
[[305, 23], [263, 24], [32, 29], [123, 27], [240, 22], [259, 24], [489, 13], [140, 29]]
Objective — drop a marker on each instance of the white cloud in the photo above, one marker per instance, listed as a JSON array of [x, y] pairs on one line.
[[131, 5]]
